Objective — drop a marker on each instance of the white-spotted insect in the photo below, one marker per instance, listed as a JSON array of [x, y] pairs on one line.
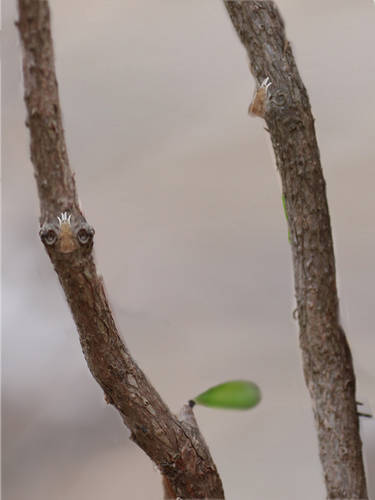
[[258, 104]]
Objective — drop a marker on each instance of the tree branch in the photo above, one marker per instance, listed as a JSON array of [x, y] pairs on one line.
[[327, 361], [177, 449]]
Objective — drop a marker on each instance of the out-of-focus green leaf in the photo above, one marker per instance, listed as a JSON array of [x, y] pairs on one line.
[[236, 395]]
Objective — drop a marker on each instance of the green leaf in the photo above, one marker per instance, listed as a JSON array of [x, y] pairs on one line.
[[235, 395]]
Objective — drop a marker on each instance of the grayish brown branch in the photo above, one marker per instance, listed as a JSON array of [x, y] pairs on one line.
[[327, 361], [178, 450]]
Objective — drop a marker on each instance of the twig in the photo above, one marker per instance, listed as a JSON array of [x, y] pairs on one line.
[[183, 459], [327, 361]]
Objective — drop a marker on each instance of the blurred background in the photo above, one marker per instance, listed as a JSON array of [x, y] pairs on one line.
[[181, 187]]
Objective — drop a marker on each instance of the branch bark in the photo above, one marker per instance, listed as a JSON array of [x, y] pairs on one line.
[[176, 447], [327, 362]]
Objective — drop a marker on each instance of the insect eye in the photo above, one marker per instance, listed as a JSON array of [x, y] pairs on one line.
[[84, 236], [49, 237]]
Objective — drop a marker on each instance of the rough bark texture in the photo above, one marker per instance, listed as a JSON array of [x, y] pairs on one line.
[[176, 446], [327, 361], [54, 178]]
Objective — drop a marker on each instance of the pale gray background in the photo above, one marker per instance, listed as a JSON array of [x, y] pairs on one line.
[[181, 187]]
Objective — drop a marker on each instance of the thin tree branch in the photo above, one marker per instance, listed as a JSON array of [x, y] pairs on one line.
[[177, 449], [327, 361]]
